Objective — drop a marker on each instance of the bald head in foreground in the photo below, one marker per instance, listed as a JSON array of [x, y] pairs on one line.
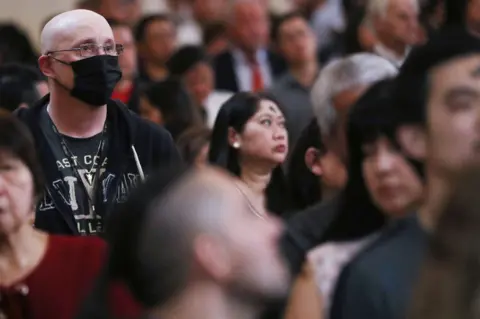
[[200, 252]]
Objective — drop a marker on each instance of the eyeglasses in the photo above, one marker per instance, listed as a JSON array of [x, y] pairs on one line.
[[91, 49]]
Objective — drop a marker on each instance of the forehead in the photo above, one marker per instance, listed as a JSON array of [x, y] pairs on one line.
[[268, 107], [249, 10], [457, 72], [293, 23], [95, 31], [403, 5]]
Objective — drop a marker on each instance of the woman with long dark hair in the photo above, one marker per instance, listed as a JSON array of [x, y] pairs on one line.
[[250, 140]]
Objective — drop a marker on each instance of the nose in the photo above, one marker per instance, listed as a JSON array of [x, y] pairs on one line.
[[384, 162], [279, 133]]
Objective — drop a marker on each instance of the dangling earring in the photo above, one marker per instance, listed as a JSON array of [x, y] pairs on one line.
[[236, 145]]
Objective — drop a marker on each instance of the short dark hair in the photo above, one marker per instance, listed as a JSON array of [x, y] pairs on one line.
[[412, 84], [213, 31], [280, 21], [191, 142], [185, 58], [16, 139], [114, 23], [142, 25], [18, 85]]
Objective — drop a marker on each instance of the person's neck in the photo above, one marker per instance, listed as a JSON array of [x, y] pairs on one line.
[[256, 178], [75, 118], [20, 253], [123, 85], [206, 301], [436, 194], [155, 71], [305, 73], [328, 192], [398, 49]]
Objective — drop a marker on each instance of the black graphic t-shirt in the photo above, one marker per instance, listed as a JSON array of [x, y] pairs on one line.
[[79, 170]]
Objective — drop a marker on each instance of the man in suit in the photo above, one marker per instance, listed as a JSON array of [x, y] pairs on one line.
[[248, 65]]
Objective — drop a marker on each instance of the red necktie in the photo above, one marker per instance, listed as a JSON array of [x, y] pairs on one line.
[[257, 81]]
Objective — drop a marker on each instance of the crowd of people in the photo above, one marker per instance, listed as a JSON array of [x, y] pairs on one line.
[[218, 161]]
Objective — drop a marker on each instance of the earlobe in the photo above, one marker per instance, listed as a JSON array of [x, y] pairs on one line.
[[233, 138], [413, 141], [312, 161], [45, 66]]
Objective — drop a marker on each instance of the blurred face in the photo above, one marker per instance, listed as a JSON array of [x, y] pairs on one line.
[[297, 41], [264, 138], [473, 15], [400, 24], [259, 270], [16, 194], [390, 179], [128, 59], [199, 81], [160, 41], [207, 11], [127, 11], [90, 30], [250, 26], [453, 124], [149, 112]]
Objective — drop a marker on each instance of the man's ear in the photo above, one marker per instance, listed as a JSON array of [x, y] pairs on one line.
[[312, 161], [413, 141], [213, 258]]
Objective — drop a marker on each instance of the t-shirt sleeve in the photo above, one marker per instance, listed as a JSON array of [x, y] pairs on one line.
[[358, 295]]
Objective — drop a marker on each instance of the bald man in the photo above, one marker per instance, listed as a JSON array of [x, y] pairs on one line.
[[248, 65], [93, 149], [200, 248]]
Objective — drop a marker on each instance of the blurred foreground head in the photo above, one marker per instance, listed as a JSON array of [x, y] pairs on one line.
[[187, 241]]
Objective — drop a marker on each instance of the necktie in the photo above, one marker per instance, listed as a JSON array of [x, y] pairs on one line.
[[257, 81]]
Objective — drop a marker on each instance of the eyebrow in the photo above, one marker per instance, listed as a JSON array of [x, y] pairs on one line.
[[461, 91], [84, 41]]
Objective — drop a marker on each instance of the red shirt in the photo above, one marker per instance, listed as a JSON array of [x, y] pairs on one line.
[[57, 287], [123, 95]]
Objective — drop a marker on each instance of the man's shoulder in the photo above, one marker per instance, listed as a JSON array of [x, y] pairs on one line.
[[399, 243], [314, 219]]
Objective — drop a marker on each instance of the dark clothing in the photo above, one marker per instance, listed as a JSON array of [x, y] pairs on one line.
[[226, 77], [82, 161], [379, 282], [58, 285], [127, 132], [305, 230]]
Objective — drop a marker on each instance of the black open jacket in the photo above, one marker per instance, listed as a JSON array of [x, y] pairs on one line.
[[127, 132]]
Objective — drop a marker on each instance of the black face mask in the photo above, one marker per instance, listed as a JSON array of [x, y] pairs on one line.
[[95, 78]]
